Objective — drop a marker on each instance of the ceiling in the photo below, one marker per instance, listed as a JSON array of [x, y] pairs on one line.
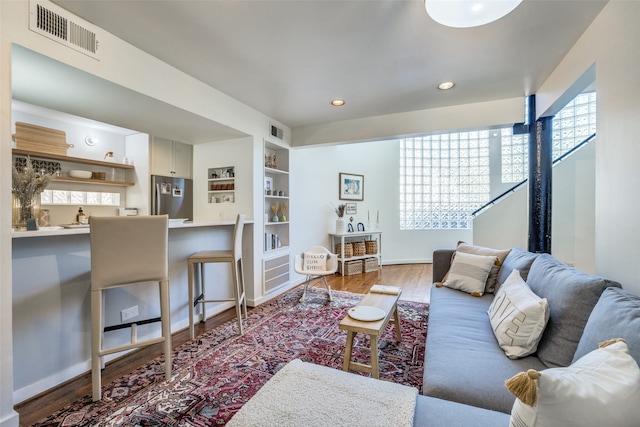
[[288, 59]]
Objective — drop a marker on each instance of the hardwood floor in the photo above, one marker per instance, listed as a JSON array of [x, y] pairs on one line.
[[414, 279]]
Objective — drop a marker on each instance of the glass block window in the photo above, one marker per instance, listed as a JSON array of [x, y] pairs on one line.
[[515, 154], [443, 179], [571, 125], [574, 123], [64, 197]]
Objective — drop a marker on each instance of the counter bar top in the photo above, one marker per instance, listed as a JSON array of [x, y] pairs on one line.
[[61, 231]]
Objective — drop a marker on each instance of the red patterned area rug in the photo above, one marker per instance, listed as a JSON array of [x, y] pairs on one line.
[[215, 374]]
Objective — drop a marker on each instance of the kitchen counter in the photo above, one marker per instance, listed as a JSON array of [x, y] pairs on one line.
[[62, 231], [51, 297]]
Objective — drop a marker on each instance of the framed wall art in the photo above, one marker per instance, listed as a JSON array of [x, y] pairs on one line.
[[351, 186], [268, 185], [351, 208]]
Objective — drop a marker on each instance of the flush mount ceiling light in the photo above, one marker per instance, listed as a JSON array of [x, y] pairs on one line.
[[337, 102], [446, 85], [468, 13], [91, 141]]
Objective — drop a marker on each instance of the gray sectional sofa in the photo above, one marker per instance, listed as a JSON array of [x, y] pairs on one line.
[[465, 369]]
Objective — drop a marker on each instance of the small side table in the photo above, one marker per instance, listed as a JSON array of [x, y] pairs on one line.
[[386, 302]]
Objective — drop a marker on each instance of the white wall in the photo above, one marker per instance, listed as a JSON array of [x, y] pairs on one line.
[[315, 172], [611, 43], [506, 224]]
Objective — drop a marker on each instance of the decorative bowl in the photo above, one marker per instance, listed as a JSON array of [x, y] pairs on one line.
[[80, 174]]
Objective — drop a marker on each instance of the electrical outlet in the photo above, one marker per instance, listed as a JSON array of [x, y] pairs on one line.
[[129, 313]]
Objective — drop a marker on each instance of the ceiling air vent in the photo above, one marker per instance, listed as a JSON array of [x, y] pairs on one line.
[[276, 132], [59, 25]]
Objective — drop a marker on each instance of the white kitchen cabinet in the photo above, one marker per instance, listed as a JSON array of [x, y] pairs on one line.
[[171, 158]]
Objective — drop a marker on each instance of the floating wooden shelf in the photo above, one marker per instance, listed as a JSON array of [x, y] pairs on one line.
[[72, 159], [92, 181]]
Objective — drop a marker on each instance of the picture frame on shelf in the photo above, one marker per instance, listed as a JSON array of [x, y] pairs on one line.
[[351, 208], [351, 187], [268, 185]]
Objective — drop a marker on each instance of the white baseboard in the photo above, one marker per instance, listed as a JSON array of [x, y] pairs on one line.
[[10, 420]]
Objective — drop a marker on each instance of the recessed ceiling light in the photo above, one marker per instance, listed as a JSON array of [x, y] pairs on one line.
[[337, 102], [446, 85]]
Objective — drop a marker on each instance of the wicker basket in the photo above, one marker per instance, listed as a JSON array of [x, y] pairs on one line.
[[370, 264], [348, 250], [350, 267], [359, 248], [372, 247]]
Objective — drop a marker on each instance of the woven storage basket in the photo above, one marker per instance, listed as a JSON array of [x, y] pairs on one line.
[[348, 250], [350, 267], [359, 248], [370, 264], [372, 246]]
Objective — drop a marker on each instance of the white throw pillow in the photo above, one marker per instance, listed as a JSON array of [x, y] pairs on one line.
[[518, 317], [600, 389], [314, 261], [469, 272]]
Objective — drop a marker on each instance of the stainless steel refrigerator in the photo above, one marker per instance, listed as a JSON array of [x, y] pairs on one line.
[[172, 196]]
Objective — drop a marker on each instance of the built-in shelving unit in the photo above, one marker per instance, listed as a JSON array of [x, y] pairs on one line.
[[221, 184], [276, 261]]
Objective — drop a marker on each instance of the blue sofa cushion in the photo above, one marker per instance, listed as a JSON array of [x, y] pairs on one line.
[[518, 259], [571, 295], [463, 361], [433, 412], [616, 315]]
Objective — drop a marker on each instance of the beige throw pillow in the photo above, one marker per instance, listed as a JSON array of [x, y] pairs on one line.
[[518, 317], [469, 273], [500, 254]]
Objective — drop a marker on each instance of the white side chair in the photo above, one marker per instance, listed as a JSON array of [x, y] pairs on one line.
[[127, 251], [234, 258], [331, 267]]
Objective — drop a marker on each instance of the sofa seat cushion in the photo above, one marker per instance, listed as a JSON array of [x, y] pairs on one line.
[[617, 314], [433, 412], [463, 361], [571, 295]]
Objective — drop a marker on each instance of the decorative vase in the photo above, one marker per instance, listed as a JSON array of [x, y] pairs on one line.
[[341, 226], [21, 212]]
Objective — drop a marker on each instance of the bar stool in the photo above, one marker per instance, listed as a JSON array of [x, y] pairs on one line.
[[127, 251], [234, 257]]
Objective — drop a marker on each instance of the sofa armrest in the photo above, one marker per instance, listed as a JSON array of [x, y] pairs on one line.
[[441, 263]]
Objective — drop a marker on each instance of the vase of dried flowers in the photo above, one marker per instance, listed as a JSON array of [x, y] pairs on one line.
[[341, 225], [275, 208], [27, 185]]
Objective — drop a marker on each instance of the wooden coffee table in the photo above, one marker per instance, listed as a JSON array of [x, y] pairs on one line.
[[386, 302]]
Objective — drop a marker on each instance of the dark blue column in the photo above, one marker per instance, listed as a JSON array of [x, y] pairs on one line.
[[540, 179]]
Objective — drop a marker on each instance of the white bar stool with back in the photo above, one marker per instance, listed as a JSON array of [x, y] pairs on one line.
[[128, 251], [232, 256]]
